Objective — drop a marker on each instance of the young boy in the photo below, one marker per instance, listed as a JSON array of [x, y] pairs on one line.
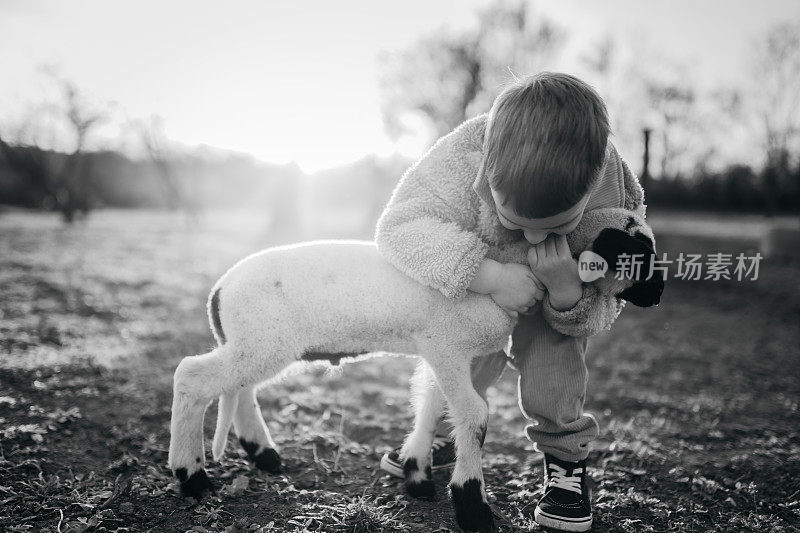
[[501, 191]]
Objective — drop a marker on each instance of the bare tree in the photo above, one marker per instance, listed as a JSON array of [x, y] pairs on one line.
[[689, 130], [777, 104], [448, 76], [62, 181], [618, 84], [162, 157], [72, 183], [675, 105]]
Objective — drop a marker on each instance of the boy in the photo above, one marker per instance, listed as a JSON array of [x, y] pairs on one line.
[[499, 192]]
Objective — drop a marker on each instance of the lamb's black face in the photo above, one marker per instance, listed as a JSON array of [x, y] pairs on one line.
[[645, 293], [611, 243]]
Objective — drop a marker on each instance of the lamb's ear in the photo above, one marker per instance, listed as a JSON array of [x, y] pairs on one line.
[[612, 242]]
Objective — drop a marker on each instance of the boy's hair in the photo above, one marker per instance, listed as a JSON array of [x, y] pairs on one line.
[[545, 143]]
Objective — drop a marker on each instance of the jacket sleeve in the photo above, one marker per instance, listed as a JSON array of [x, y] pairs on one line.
[[596, 311], [421, 231]]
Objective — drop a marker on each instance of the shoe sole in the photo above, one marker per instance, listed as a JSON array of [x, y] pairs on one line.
[[390, 467], [561, 523]]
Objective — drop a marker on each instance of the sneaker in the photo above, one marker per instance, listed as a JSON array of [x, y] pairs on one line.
[[443, 452], [566, 504]]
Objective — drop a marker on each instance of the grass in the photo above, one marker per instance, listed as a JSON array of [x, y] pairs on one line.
[[697, 400]]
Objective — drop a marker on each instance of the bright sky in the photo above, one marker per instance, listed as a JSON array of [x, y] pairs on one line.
[[295, 79]]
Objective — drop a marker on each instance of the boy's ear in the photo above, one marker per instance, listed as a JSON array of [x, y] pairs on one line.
[[612, 242]]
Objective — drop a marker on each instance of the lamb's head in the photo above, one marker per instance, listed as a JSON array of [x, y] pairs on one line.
[[616, 234]]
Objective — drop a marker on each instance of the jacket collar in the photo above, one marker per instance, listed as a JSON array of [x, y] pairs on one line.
[[481, 185]]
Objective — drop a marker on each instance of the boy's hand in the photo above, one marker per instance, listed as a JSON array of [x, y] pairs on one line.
[[552, 262], [516, 288]]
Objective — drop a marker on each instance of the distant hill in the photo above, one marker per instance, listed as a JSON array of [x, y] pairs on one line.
[[213, 178]]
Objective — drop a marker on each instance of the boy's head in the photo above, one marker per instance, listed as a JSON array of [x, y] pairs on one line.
[[545, 143]]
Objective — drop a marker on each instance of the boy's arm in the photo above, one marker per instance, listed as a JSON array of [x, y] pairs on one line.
[[595, 311], [422, 233]]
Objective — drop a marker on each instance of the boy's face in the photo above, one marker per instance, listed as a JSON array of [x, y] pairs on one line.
[[536, 230]]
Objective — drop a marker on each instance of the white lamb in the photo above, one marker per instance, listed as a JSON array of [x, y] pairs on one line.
[[339, 299]]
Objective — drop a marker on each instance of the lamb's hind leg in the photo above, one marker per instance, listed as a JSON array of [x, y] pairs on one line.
[[197, 381], [469, 415], [253, 433], [428, 404]]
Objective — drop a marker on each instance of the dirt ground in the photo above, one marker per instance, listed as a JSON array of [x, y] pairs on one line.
[[697, 400]]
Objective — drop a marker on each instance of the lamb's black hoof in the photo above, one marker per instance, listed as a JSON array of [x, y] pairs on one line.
[[472, 513], [267, 459], [195, 485], [423, 489]]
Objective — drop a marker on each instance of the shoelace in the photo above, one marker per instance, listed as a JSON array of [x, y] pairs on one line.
[[559, 478], [439, 443]]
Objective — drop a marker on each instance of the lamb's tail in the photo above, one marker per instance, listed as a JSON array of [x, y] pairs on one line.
[[225, 411]]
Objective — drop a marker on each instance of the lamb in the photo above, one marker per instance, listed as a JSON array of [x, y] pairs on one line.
[[334, 300]]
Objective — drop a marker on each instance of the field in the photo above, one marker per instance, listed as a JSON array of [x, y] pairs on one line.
[[698, 399]]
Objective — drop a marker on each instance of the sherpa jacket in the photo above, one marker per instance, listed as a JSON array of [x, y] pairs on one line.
[[441, 223]]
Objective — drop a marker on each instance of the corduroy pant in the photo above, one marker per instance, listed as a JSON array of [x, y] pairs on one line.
[[551, 386]]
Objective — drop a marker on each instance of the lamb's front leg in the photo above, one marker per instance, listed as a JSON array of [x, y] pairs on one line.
[[194, 387], [469, 416], [428, 403]]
